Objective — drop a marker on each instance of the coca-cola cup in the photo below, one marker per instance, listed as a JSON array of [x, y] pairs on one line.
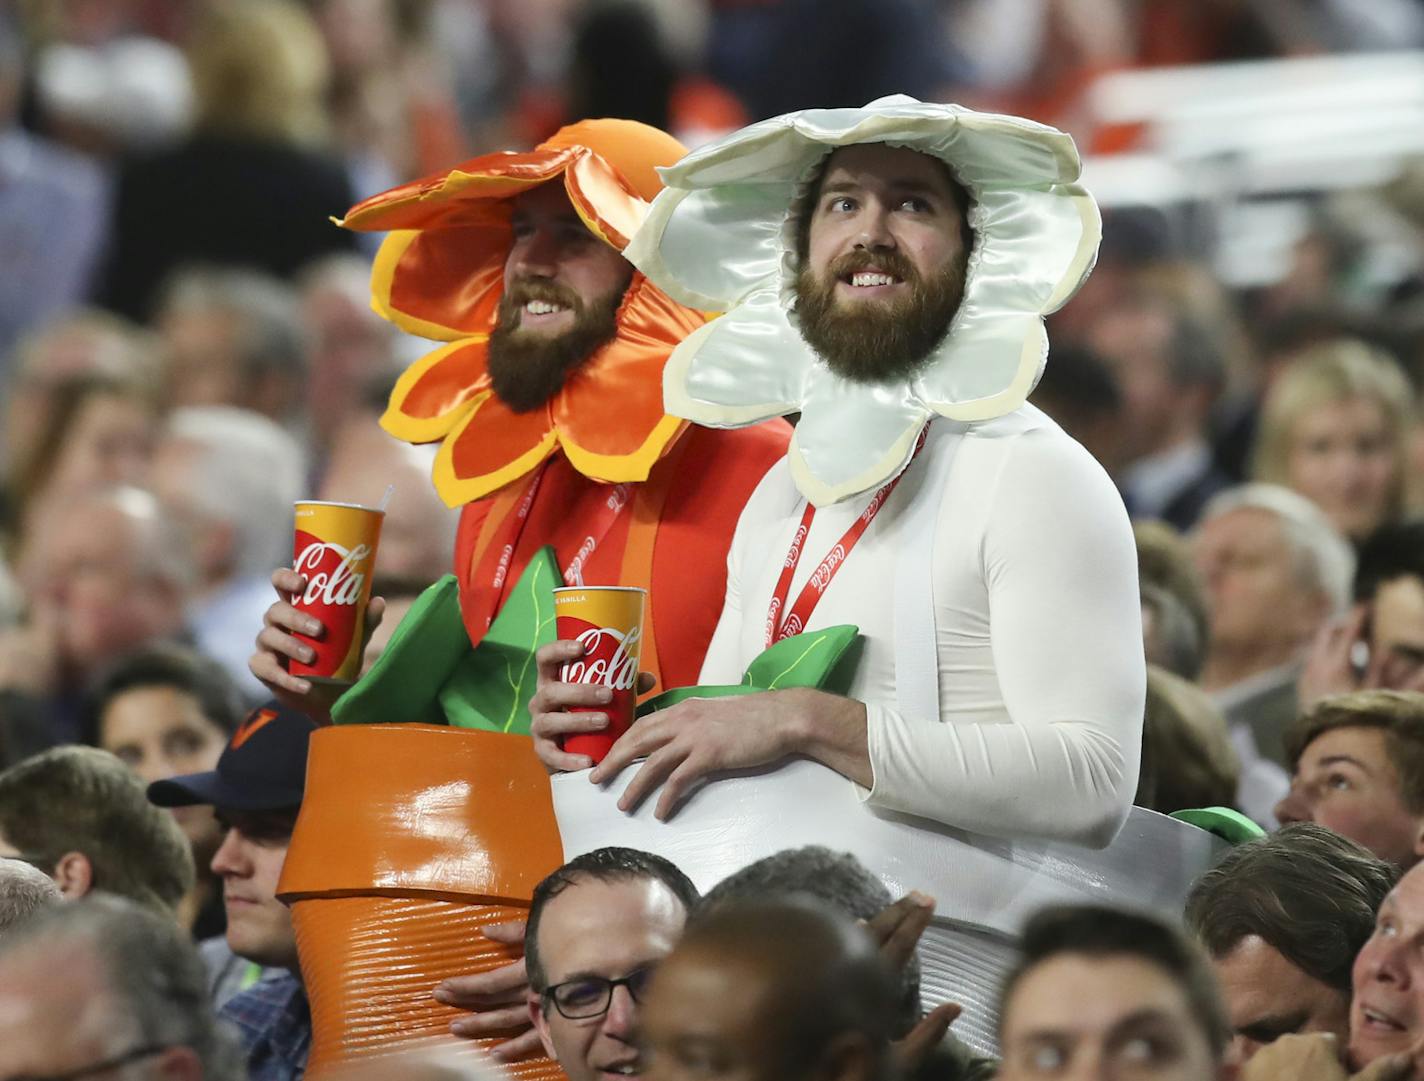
[[335, 551], [608, 622]]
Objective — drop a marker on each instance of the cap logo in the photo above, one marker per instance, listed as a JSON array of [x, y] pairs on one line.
[[256, 720]]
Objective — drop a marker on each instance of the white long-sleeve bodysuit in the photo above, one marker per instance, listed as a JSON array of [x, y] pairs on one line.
[[1038, 626]]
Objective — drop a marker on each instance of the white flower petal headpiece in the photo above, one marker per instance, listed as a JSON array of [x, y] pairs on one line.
[[720, 237]]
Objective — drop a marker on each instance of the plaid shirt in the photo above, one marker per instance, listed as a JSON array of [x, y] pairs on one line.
[[273, 1021]]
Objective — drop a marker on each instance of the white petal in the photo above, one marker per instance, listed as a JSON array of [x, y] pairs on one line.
[[1036, 249], [711, 249], [852, 437], [719, 375]]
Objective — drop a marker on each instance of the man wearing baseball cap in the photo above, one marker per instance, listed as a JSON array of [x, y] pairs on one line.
[[256, 792]]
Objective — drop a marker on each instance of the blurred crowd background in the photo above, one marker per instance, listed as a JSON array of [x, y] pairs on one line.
[[187, 347], [186, 344]]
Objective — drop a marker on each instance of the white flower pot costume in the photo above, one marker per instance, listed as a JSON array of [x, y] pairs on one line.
[[996, 590]]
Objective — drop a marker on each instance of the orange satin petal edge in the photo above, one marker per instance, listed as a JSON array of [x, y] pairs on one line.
[[604, 200], [522, 441], [620, 468], [435, 393], [433, 199], [615, 401], [446, 283], [383, 272]]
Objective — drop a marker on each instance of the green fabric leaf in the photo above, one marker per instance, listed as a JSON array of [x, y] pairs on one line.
[[808, 659], [491, 685], [682, 694], [429, 673], [404, 683], [812, 659], [1226, 823]]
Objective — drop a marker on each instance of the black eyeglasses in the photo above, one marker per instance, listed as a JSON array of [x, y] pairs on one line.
[[589, 996], [98, 1067]]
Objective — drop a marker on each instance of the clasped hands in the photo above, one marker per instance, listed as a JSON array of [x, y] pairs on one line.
[[682, 744]]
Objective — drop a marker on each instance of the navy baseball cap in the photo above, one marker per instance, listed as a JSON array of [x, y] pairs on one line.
[[263, 767]]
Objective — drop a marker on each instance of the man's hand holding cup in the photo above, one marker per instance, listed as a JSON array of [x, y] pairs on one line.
[[312, 641], [588, 680]]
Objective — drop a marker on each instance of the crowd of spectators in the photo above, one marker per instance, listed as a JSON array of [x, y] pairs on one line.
[[187, 347]]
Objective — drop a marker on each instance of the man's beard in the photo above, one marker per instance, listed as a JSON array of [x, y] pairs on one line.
[[869, 341], [528, 368]]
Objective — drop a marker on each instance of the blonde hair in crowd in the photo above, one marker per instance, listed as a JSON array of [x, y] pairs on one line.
[[1332, 372], [260, 70]]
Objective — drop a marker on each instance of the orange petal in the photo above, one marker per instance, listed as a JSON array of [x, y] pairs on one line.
[[439, 274], [456, 198], [603, 199], [443, 283], [610, 417], [491, 447], [436, 392]]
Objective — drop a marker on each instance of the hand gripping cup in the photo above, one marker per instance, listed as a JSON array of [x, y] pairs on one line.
[[608, 622], [335, 551]]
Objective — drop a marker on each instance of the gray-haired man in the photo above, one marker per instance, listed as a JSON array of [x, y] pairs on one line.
[[101, 984], [1275, 571]]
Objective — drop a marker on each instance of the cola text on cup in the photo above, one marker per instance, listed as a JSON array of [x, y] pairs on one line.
[[608, 622], [335, 551]]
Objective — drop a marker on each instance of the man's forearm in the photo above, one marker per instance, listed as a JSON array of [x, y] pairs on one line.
[[832, 730]]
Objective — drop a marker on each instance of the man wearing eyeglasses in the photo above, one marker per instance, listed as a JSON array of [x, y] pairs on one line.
[[103, 988], [597, 928]]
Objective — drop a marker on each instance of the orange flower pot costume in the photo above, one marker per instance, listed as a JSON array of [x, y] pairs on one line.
[[600, 457]]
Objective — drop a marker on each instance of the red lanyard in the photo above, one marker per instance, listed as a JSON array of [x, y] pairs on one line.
[[608, 512], [513, 531], [820, 580]]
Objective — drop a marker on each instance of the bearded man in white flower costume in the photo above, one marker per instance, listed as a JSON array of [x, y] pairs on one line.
[[885, 273]]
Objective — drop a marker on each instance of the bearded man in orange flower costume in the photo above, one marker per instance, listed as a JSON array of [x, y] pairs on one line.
[[550, 387], [547, 403]]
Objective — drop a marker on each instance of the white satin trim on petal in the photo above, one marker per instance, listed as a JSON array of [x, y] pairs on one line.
[[880, 422], [720, 374]]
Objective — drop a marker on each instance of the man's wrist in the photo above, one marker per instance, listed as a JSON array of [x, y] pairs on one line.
[[829, 728], [799, 718]]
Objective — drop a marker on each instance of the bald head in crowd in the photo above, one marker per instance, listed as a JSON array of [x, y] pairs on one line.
[[234, 337], [116, 573], [771, 991], [418, 531]]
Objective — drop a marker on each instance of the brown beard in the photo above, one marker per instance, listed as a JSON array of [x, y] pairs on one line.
[[868, 342], [526, 370]]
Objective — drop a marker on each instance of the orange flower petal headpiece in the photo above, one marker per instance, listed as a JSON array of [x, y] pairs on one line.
[[440, 274]]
